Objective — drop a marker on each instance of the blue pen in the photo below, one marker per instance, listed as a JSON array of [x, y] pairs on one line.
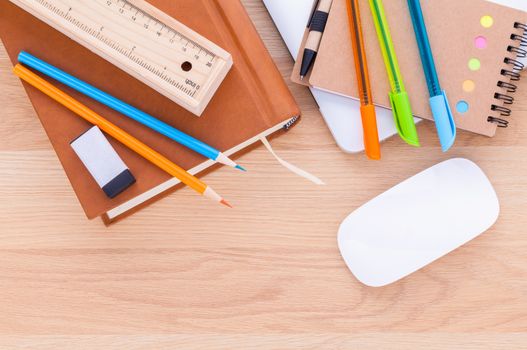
[[445, 124], [124, 108]]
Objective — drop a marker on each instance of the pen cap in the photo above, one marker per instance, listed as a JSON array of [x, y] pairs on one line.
[[371, 136], [404, 120], [444, 120]]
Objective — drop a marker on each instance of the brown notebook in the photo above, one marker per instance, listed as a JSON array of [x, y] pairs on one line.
[[456, 35], [252, 102]]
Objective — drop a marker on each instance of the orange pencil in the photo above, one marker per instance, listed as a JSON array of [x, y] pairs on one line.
[[117, 133], [367, 109]]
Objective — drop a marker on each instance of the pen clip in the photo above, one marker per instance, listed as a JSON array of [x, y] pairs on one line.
[[313, 10], [404, 120], [444, 120]]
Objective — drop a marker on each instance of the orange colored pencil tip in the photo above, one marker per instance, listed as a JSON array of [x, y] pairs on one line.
[[225, 203]]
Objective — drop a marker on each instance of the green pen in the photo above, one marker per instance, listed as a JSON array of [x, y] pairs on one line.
[[399, 99]]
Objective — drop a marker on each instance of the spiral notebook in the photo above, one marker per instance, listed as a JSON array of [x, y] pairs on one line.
[[476, 46]]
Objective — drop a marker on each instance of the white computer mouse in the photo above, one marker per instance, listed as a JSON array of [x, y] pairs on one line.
[[418, 221]]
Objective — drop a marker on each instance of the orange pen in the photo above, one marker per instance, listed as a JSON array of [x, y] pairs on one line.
[[367, 109], [117, 133]]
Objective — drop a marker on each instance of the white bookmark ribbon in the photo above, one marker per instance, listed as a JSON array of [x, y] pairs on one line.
[[292, 168]]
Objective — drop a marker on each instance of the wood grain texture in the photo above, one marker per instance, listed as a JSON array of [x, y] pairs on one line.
[[184, 273]]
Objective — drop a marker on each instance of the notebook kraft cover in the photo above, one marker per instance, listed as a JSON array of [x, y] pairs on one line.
[[453, 26], [252, 99]]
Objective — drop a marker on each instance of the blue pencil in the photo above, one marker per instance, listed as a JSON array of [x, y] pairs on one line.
[[126, 109]]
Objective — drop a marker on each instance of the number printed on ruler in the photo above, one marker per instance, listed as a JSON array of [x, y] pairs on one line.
[[143, 41]]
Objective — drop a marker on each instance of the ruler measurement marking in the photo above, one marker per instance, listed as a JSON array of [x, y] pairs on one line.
[[123, 51], [126, 32]]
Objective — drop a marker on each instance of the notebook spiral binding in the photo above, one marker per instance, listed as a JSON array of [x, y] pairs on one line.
[[512, 73], [291, 122]]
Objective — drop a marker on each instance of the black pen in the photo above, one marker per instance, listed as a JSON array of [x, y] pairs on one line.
[[317, 24]]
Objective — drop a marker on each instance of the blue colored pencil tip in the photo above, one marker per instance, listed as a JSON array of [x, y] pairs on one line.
[[240, 168]]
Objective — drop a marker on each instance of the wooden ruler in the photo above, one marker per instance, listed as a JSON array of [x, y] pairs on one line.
[[144, 42]]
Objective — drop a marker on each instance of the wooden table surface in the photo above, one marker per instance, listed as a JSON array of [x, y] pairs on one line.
[[185, 273]]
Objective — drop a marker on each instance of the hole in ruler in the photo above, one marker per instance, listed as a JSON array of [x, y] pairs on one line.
[[186, 66]]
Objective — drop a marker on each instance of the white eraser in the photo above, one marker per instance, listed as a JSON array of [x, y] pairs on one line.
[[103, 163]]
